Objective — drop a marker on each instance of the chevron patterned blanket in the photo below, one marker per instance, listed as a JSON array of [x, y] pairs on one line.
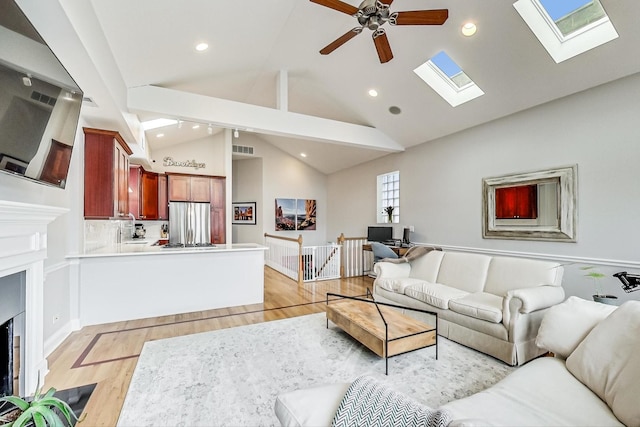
[[371, 403]]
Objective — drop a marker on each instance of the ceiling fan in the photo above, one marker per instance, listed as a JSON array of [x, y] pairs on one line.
[[372, 14]]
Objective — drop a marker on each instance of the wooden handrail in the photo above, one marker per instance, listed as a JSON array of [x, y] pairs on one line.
[[289, 239], [342, 238]]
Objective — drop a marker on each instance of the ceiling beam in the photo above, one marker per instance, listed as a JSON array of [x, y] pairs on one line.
[[282, 100], [252, 118]]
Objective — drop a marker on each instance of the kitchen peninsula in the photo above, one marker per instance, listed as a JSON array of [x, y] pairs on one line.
[[135, 281]]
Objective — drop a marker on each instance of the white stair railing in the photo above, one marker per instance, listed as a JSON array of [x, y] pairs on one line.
[[354, 259], [302, 264], [321, 262], [284, 255]]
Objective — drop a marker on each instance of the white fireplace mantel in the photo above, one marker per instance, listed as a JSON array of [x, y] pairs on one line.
[[23, 247]]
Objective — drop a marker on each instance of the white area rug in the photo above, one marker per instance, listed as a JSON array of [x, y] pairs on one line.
[[231, 377]]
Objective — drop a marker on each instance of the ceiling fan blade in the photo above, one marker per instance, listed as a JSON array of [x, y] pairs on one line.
[[419, 17], [382, 45], [340, 40], [338, 5]]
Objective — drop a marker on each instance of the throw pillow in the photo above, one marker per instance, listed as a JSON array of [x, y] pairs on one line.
[[565, 325], [369, 402], [608, 362]]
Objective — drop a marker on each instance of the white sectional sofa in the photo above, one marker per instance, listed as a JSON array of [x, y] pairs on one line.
[[594, 380], [493, 304]]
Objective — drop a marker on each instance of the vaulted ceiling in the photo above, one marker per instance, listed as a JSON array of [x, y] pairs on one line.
[[254, 43]]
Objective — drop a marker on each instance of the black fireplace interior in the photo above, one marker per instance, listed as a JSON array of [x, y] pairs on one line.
[[12, 315], [6, 358]]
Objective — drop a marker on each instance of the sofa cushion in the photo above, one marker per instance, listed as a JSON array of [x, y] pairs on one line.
[[540, 393], [398, 284], [426, 267], [608, 362], [508, 273], [433, 294], [480, 305], [463, 271], [315, 406], [565, 325]]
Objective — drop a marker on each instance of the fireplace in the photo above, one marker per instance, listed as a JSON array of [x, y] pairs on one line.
[[23, 248], [12, 309]]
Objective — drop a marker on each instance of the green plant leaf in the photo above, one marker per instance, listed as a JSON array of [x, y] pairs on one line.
[[15, 400], [38, 419]]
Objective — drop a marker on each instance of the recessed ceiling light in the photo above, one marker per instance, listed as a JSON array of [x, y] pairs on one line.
[[469, 29], [160, 135], [395, 110], [202, 47], [303, 155], [373, 92]]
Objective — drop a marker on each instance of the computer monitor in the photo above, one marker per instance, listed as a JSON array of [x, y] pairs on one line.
[[379, 233], [406, 234]]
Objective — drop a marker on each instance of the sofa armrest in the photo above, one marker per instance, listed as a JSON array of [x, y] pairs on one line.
[[314, 406], [538, 297], [390, 270], [529, 300]]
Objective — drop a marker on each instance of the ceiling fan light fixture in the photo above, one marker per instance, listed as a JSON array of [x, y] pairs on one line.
[[469, 29]]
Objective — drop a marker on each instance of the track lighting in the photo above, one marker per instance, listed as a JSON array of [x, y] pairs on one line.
[[180, 124], [210, 130], [236, 134], [26, 80]]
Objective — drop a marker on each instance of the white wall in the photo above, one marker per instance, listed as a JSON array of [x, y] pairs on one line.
[[247, 187], [441, 181], [64, 236], [209, 150], [283, 176]]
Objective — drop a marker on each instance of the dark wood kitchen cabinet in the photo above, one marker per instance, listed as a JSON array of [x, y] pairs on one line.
[[218, 210], [189, 188], [143, 198], [163, 200], [520, 202], [106, 174]]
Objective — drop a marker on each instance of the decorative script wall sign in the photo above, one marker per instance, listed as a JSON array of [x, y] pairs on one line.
[[168, 161]]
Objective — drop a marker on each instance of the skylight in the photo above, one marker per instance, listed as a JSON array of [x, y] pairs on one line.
[[448, 79], [567, 28], [158, 123]]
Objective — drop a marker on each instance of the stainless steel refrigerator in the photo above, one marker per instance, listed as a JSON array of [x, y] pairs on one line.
[[189, 223]]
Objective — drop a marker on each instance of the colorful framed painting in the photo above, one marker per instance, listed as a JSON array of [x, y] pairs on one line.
[[244, 213]]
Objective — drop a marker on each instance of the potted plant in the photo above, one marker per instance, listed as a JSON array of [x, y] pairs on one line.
[[389, 211], [43, 410], [599, 296]]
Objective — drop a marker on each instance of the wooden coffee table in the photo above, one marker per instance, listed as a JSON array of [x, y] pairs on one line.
[[381, 328]]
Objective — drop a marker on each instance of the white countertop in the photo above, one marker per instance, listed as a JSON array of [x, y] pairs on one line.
[[136, 248]]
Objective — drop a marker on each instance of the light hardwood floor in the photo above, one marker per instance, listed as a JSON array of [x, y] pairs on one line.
[[107, 354]]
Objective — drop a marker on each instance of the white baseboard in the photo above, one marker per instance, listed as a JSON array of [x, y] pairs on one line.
[[57, 338]]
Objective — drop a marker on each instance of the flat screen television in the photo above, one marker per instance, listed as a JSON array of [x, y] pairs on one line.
[[379, 233], [39, 103]]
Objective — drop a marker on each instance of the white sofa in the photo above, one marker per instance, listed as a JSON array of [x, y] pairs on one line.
[[594, 380], [493, 304]]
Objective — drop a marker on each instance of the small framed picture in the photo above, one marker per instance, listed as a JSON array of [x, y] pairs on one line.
[[244, 213]]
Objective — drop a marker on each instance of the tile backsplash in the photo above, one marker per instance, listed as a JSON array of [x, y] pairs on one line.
[[99, 234]]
